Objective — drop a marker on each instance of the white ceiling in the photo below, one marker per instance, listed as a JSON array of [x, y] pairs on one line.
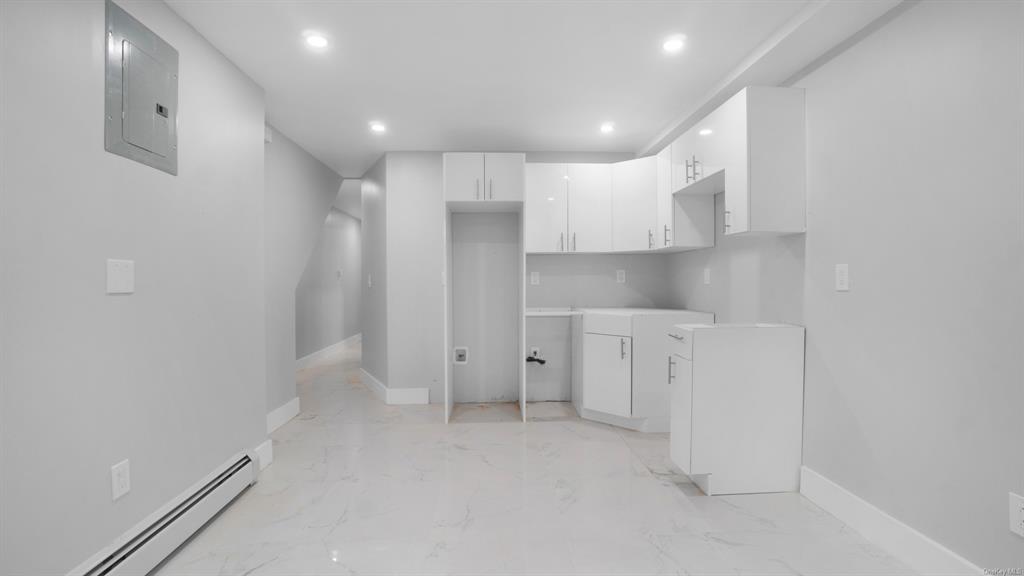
[[497, 75]]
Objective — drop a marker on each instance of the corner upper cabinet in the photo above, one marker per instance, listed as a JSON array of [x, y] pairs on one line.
[[752, 148], [635, 205], [478, 176]]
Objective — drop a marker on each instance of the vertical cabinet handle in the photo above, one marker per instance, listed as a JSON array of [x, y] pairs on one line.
[[573, 241], [622, 348], [650, 239], [671, 364], [561, 242], [726, 222], [688, 166], [666, 235]]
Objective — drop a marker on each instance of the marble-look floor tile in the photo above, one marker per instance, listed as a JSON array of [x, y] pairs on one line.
[[358, 487]]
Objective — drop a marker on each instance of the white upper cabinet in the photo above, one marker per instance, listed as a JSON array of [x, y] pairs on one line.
[[752, 148], [663, 232], [635, 205], [505, 174], [473, 176], [547, 209], [463, 176], [590, 208]]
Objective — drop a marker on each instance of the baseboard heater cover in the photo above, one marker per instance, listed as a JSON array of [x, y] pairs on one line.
[[154, 543]]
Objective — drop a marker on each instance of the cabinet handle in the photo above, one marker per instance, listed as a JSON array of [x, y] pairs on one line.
[[622, 348], [666, 235], [677, 337], [477, 188], [490, 187], [671, 364], [726, 217], [695, 163], [688, 166], [650, 239], [573, 241], [561, 242]]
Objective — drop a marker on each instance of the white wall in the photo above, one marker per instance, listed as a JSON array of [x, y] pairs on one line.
[[486, 300], [172, 376], [583, 280], [299, 193], [415, 261], [374, 269], [753, 277], [915, 378], [328, 299]]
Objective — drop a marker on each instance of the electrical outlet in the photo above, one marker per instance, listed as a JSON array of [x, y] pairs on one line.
[[707, 276], [842, 277], [120, 276], [120, 479], [620, 276], [461, 355], [535, 352], [535, 278], [1017, 514]]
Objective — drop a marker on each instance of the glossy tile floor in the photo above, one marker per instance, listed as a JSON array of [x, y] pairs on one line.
[[358, 487]]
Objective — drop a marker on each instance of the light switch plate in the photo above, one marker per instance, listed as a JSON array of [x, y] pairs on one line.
[[1017, 514], [120, 479], [707, 276], [120, 276], [842, 277], [534, 278], [620, 276]]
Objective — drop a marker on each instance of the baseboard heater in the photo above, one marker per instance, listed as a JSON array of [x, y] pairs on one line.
[[155, 542]]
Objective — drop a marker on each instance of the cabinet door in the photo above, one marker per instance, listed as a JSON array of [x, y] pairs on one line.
[[607, 374], [663, 234], [546, 209], [504, 174], [590, 208], [724, 145], [681, 411], [463, 176], [634, 204], [682, 152]]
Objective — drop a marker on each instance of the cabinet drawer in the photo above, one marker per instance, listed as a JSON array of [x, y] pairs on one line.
[[681, 343], [611, 324]]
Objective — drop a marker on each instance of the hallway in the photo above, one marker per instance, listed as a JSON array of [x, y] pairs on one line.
[[358, 487]]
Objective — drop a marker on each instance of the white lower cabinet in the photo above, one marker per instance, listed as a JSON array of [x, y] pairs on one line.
[[607, 372], [736, 400]]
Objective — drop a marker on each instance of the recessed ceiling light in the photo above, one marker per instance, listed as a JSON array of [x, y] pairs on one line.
[[674, 44], [705, 132], [607, 128], [315, 39], [378, 127]]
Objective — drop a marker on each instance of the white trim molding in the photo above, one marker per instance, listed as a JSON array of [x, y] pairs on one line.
[[394, 396], [913, 548], [282, 414], [324, 353], [264, 453]]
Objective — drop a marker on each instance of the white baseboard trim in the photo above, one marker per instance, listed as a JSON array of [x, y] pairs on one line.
[[905, 543], [264, 453], [395, 396], [282, 414], [324, 353]]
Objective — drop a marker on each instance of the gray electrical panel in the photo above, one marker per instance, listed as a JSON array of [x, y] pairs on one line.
[[141, 93]]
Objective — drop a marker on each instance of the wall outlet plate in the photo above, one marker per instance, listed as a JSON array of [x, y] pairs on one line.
[[120, 276], [620, 276], [707, 276], [842, 277], [1017, 514], [120, 479], [460, 355]]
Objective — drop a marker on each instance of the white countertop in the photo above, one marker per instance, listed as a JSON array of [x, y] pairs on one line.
[[693, 326], [551, 312], [567, 312]]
